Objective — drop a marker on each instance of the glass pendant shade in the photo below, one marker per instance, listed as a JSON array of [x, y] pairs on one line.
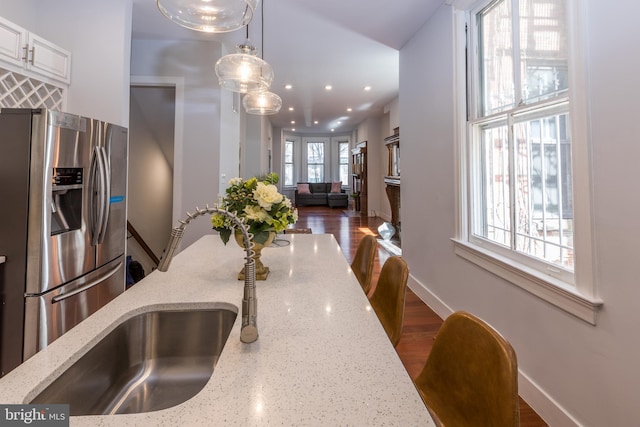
[[263, 103], [243, 71], [211, 16]]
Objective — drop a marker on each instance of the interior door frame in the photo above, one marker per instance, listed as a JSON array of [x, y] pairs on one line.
[[178, 144]]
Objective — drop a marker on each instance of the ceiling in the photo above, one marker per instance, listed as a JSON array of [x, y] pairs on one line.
[[348, 44]]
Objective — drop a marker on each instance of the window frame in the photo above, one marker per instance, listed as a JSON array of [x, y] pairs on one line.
[[577, 296], [347, 163], [292, 162], [322, 163], [331, 156]]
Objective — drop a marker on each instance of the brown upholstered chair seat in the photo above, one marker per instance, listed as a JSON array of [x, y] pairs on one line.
[[389, 295], [471, 375]]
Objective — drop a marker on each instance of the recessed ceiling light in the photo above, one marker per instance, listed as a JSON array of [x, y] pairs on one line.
[[290, 108], [367, 88], [315, 122], [338, 122], [293, 122], [328, 87], [349, 109], [288, 86], [293, 129], [333, 130]]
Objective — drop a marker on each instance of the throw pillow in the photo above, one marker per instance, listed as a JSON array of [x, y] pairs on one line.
[[336, 187], [303, 189]]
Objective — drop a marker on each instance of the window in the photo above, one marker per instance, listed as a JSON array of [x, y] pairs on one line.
[[288, 163], [518, 154], [315, 161], [343, 148], [520, 147], [530, 213]]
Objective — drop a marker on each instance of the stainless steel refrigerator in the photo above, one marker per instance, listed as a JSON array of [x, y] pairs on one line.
[[63, 181]]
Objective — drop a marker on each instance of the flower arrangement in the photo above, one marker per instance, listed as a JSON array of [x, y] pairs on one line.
[[259, 203]]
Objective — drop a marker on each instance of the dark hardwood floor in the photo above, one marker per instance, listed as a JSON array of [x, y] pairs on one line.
[[420, 322]]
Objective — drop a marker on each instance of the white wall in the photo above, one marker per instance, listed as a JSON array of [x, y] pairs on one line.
[[572, 373], [230, 138], [370, 130], [393, 109], [193, 61], [98, 36], [252, 158], [267, 146], [277, 155], [24, 13]]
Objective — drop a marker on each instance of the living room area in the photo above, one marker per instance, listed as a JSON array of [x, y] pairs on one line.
[[353, 175]]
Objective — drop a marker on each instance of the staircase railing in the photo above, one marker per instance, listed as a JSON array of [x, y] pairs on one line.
[[138, 238]]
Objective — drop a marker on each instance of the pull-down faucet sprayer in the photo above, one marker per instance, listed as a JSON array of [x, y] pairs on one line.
[[249, 329]]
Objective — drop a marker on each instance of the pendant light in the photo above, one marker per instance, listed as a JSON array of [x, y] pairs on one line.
[[243, 71], [262, 102], [211, 16]]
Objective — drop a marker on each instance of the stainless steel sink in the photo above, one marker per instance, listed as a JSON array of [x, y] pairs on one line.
[[152, 361]]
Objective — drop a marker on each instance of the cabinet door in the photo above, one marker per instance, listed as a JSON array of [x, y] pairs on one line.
[[12, 41], [49, 60]]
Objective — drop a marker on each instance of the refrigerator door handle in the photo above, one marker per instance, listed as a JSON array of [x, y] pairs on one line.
[[95, 202], [105, 188], [91, 284]]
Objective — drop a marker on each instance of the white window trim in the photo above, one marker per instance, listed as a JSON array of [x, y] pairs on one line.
[[581, 299], [293, 161], [326, 161], [335, 158], [297, 160]]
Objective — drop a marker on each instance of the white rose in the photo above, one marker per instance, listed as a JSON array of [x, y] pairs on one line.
[[255, 213], [266, 195], [235, 181]]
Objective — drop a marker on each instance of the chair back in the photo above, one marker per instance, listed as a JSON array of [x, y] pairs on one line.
[[471, 375], [388, 297], [362, 264]]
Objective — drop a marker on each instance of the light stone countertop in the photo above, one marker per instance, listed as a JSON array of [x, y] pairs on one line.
[[322, 357]]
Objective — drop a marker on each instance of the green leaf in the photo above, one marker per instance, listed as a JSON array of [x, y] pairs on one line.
[[261, 237], [224, 235]]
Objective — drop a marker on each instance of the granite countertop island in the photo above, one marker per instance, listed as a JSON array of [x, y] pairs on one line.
[[322, 357]]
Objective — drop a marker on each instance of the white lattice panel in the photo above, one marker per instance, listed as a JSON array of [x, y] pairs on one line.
[[18, 91]]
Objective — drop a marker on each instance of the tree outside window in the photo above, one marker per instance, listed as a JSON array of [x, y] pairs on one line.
[[315, 161]]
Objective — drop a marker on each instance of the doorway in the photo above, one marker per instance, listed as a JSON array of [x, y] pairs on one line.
[[152, 126]]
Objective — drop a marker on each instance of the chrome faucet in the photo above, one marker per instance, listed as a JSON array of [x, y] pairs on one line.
[[249, 329]]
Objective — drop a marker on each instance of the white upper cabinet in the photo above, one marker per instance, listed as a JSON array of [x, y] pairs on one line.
[[48, 59], [11, 42], [20, 48]]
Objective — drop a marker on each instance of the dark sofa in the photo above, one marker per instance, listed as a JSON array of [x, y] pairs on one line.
[[320, 195]]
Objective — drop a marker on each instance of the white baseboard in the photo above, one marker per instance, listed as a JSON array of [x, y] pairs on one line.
[[383, 215], [544, 405]]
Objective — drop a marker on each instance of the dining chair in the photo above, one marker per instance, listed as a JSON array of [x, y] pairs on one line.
[[388, 297], [362, 264], [470, 377]]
